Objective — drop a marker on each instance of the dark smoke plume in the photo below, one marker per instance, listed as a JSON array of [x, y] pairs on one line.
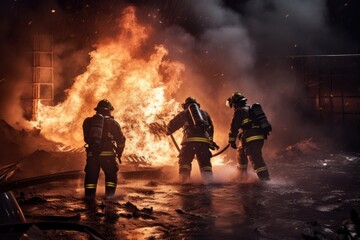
[[227, 50], [226, 46]]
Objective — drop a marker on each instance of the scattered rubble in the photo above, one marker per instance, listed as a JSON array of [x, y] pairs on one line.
[[151, 184], [144, 213], [301, 149]]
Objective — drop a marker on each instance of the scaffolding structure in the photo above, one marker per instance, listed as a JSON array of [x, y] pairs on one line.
[[42, 73], [332, 85]]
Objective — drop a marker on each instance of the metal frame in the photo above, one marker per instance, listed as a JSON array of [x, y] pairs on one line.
[[39, 51], [321, 73]]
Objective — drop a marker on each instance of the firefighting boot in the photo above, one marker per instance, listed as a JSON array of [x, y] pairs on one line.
[[109, 192], [243, 175], [184, 172], [207, 177], [90, 204], [184, 177], [90, 193], [264, 175], [110, 188]]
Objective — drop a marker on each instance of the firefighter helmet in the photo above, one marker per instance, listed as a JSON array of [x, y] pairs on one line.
[[189, 101], [236, 99], [104, 105]]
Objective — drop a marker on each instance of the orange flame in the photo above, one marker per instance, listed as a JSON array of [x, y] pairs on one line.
[[138, 88]]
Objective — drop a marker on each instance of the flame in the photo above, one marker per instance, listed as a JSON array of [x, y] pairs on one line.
[[138, 87]]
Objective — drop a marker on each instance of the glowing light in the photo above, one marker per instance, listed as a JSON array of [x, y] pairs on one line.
[[139, 88]]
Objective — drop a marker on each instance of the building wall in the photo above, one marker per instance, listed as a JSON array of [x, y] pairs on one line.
[[332, 86]]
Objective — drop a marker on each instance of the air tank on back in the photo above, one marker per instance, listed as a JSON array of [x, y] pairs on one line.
[[196, 115], [95, 134], [257, 114]]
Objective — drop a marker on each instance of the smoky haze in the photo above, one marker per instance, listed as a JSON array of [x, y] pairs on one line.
[[227, 51], [226, 46]]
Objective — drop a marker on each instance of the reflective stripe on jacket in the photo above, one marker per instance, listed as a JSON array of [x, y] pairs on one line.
[[192, 133], [241, 120], [102, 154], [111, 133], [197, 139]]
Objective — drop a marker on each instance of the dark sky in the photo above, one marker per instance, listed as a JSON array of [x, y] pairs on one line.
[[85, 20], [275, 27], [245, 35]]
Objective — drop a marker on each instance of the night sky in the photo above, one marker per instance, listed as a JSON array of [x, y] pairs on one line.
[[263, 32]]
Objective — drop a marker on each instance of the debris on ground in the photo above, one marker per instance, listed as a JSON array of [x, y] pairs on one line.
[[350, 228], [303, 148], [144, 213], [72, 217], [151, 184], [32, 200]]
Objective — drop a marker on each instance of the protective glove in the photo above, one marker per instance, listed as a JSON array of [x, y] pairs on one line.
[[233, 144], [214, 146]]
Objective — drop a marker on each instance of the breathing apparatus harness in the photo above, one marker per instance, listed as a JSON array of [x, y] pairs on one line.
[[199, 122], [256, 113], [97, 126]]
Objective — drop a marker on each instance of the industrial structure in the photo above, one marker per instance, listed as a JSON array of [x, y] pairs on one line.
[[42, 76], [332, 86]]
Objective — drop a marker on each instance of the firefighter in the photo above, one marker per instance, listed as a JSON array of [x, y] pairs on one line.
[[198, 138], [251, 138], [104, 143]]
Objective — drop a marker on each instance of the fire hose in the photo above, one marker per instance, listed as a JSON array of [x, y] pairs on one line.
[[175, 143], [221, 151], [212, 155]]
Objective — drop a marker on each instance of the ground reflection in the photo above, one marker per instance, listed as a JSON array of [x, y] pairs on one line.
[[285, 208]]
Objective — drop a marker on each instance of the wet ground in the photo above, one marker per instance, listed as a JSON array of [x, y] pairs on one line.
[[307, 198]]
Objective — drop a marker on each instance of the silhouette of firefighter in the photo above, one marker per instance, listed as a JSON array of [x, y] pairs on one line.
[[254, 130], [198, 138], [104, 143]]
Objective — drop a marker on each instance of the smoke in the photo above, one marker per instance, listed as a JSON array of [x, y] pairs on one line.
[[280, 29], [226, 46], [245, 46], [283, 27], [247, 51], [218, 56]]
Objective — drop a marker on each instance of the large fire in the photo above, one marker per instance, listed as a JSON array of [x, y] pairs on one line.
[[139, 88]]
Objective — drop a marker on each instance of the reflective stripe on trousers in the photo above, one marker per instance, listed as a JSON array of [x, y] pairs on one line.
[[110, 184], [90, 185], [185, 166], [261, 169], [256, 137], [206, 169]]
